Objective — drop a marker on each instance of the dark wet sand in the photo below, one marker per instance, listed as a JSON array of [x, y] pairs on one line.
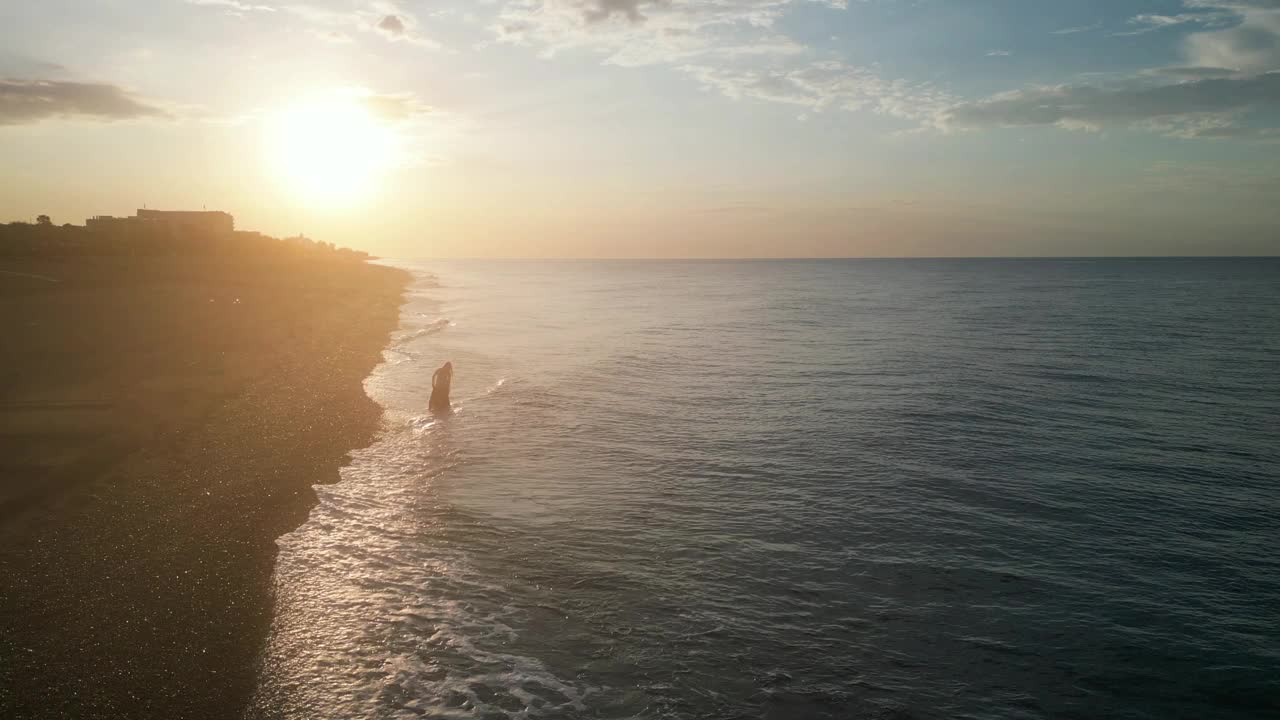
[[161, 423]]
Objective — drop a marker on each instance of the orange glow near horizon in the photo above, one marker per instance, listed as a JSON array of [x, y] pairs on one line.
[[330, 151]]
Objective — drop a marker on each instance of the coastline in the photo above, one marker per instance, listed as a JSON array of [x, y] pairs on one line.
[[164, 421]]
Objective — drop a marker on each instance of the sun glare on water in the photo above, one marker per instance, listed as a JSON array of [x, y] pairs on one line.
[[330, 151]]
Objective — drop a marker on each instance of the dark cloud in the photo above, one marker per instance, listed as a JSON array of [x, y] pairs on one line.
[[28, 101], [1095, 107], [392, 24]]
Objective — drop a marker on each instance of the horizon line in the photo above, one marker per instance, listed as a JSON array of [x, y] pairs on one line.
[[756, 258]]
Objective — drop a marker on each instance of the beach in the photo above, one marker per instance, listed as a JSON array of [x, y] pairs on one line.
[[162, 422]]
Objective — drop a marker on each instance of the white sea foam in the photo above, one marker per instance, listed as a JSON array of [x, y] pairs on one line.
[[375, 619]]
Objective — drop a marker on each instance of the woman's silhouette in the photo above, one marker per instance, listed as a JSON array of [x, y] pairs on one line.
[[440, 381]]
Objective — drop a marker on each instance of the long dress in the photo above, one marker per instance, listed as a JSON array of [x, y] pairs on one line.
[[440, 381]]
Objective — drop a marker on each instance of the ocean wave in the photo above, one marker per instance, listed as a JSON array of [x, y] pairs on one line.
[[431, 328]]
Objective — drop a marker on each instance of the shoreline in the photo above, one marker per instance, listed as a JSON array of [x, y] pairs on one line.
[[146, 483], [275, 698]]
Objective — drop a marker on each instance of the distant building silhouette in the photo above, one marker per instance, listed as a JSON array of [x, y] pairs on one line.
[[173, 223], [211, 222], [153, 233], [104, 224]]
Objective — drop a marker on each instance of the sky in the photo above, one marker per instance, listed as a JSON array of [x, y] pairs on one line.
[[658, 128]]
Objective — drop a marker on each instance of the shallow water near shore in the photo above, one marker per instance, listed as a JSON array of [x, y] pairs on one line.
[[828, 489]]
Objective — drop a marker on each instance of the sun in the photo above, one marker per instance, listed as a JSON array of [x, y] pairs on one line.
[[331, 150]]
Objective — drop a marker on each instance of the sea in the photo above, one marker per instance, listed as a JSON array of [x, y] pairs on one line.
[[804, 489]]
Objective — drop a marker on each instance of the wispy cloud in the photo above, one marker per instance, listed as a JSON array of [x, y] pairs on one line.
[[29, 101], [393, 107], [332, 36], [1191, 72], [649, 32], [1230, 71], [1077, 29], [383, 18], [1148, 23], [234, 6], [822, 85], [1196, 109], [729, 47], [738, 48]]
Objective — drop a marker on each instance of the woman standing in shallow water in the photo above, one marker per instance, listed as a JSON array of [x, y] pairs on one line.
[[440, 381]]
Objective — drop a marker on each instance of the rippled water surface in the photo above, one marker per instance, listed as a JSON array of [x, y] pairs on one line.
[[844, 489]]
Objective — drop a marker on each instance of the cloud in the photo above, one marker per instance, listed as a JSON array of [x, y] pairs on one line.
[[23, 66], [394, 107], [815, 87], [382, 17], [1078, 29], [598, 10], [650, 32], [1189, 72], [1229, 70], [235, 7], [1253, 45], [728, 47], [392, 25], [822, 85], [1239, 5], [29, 101], [332, 36], [1237, 35], [1148, 23], [1000, 53], [1199, 108]]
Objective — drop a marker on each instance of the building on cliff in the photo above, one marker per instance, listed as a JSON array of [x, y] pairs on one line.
[[171, 223]]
